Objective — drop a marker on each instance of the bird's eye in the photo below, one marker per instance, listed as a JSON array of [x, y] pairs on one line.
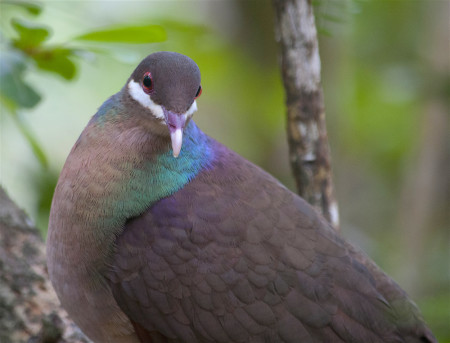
[[199, 92], [147, 83]]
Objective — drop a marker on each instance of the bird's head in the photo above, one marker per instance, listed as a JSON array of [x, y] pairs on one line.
[[166, 85]]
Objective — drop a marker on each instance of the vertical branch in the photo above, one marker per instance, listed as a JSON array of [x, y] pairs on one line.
[[307, 136]]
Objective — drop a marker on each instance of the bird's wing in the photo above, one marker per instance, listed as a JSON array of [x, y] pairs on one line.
[[236, 257]]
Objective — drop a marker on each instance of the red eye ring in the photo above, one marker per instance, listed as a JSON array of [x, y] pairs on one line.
[[199, 92], [147, 83]]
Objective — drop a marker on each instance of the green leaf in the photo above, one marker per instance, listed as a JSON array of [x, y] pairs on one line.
[[56, 60], [53, 59], [14, 92], [127, 34], [35, 146], [30, 34], [185, 28], [31, 7]]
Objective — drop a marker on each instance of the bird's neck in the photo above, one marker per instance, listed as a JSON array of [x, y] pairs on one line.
[[148, 176], [162, 174], [119, 173]]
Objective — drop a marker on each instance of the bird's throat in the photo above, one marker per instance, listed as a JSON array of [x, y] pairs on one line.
[[126, 183]]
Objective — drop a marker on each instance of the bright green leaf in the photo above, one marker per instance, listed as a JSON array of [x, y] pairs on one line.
[[13, 90], [30, 34], [31, 7], [127, 34], [56, 60], [184, 27]]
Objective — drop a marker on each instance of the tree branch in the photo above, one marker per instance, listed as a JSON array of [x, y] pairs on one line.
[[29, 309], [307, 135]]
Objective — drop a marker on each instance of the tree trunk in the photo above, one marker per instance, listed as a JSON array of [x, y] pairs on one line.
[[29, 309], [307, 135]]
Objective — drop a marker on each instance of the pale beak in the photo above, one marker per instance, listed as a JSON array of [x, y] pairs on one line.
[[175, 122]]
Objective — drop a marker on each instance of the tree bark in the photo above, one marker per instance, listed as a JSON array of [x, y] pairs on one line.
[[29, 309], [309, 152]]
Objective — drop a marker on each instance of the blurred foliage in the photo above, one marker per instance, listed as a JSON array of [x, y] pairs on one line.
[[387, 77], [383, 77], [377, 82], [128, 34], [26, 45]]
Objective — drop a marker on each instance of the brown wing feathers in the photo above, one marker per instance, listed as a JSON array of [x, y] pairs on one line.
[[207, 265]]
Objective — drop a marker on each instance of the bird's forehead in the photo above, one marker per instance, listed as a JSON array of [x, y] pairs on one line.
[[171, 67]]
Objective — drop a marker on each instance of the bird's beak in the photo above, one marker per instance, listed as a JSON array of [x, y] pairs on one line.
[[175, 122]]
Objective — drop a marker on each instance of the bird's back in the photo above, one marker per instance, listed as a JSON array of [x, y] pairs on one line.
[[236, 257]]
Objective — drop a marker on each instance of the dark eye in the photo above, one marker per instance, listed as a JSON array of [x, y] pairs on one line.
[[199, 92], [147, 83]]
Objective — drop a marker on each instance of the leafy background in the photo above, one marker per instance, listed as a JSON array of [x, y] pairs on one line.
[[385, 70]]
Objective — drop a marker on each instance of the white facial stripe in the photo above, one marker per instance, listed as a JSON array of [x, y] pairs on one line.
[[191, 109], [138, 94]]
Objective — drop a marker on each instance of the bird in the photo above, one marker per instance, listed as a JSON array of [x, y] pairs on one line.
[[159, 233]]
